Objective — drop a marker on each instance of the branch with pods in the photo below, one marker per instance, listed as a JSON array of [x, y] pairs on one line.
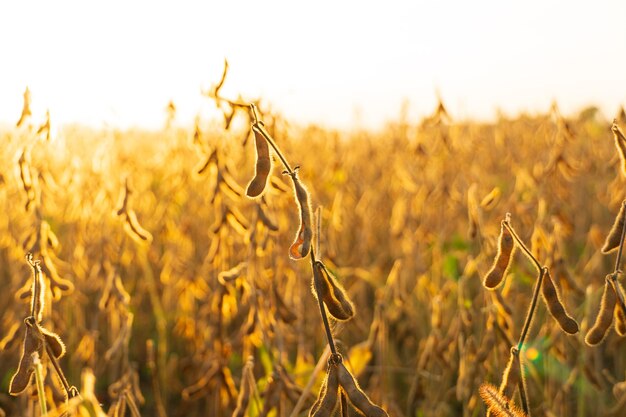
[[339, 386]]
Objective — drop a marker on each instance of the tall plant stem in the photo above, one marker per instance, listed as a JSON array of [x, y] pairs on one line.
[[531, 309]]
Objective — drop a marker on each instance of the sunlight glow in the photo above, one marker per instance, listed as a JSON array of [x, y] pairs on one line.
[[336, 63]]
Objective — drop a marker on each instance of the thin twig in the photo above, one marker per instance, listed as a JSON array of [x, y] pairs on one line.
[[70, 390], [36, 295], [521, 386], [531, 310], [258, 124]]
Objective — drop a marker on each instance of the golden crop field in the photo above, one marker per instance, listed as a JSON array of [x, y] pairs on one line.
[[445, 265]]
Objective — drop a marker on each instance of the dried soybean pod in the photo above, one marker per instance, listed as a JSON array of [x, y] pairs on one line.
[[237, 220], [264, 218], [25, 176], [135, 228], [338, 293], [328, 402], [343, 403], [501, 305], [58, 285], [302, 243], [512, 374], [337, 302], [356, 396], [54, 342], [232, 274], [21, 378], [263, 165], [506, 249], [320, 284], [213, 249], [211, 161], [556, 306], [620, 321], [605, 317], [228, 185], [491, 199], [612, 240], [620, 143]]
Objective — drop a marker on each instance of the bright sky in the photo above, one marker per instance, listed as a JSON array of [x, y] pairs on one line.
[[338, 63]]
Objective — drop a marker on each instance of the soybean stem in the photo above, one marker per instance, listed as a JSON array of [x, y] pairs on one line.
[[35, 307], [71, 391], [522, 391], [531, 310]]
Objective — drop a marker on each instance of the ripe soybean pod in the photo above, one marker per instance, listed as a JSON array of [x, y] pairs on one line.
[[605, 317], [556, 306], [327, 402], [506, 248], [302, 242], [263, 165], [333, 295], [356, 396]]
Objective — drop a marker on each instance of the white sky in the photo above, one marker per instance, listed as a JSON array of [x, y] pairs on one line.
[[331, 62]]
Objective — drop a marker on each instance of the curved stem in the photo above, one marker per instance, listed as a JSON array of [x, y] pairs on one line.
[[531, 310], [521, 244], [35, 307], [70, 390], [259, 126], [269, 139], [522, 392]]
